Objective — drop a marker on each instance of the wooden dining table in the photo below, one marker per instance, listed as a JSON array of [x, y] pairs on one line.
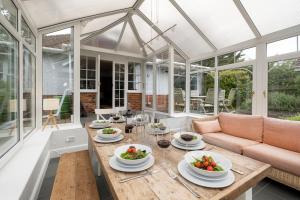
[[160, 185]]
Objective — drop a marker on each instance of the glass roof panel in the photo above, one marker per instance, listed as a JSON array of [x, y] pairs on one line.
[[100, 23], [147, 33], [46, 13], [129, 42], [220, 21], [164, 15], [107, 39], [270, 16]]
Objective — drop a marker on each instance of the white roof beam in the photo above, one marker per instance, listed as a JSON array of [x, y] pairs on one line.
[[137, 36], [192, 23], [106, 28], [81, 19], [166, 38], [247, 18], [138, 4], [121, 35]]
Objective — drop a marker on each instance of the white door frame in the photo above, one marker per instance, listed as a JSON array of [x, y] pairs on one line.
[[125, 84]]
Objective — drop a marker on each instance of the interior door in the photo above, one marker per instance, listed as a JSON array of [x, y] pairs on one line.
[[106, 84], [119, 85]]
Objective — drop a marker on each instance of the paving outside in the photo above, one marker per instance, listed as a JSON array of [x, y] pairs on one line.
[[267, 189]]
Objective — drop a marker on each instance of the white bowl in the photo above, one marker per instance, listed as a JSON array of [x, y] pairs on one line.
[[192, 142], [109, 136], [218, 158], [102, 123], [124, 148]]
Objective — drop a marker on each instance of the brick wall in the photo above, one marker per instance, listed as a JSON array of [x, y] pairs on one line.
[[88, 101], [162, 102], [135, 100]]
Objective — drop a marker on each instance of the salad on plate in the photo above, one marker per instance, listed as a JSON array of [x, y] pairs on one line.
[[133, 153], [206, 163]]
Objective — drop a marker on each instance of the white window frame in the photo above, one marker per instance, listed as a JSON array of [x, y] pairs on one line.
[[87, 70], [138, 83]]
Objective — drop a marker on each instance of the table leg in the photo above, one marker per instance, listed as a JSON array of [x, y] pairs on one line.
[[246, 195]]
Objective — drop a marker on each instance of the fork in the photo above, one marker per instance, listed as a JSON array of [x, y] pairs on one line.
[[145, 173], [175, 177]]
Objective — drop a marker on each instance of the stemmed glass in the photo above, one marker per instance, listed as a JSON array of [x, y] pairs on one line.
[[164, 141]]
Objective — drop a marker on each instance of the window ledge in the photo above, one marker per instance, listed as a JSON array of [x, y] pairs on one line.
[[16, 173]]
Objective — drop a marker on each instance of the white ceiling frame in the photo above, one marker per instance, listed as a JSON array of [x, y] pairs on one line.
[[158, 31], [192, 23], [247, 18], [89, 35], [137, 36], [121, 35], [86, 18], [138, 4]]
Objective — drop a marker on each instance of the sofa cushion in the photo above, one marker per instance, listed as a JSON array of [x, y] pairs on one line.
[[279, 158], [244, 126], [229, 142], [211, 126], [282, 133]]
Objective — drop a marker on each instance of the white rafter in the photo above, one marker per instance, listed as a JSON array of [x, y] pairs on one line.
[[192, 23], [121, 35], [247, 18], [137, 36]]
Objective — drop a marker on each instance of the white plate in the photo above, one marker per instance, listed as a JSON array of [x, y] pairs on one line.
[[124, 148], [102, 140], [201, 145], [100, 134], [113, 162], [182, 169], [221, 160], [195, 141], [190, 171], [98, 126]]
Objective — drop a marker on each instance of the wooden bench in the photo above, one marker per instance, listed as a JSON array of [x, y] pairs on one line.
[[74, 178]]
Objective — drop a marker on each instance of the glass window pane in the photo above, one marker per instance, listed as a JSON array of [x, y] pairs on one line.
[[83, 62], [82, 74], [130, 68], [270, 16], [179, 86], [214, 17], [162, 87], [83, 84], [91, 84], [283, 89], [149, 85], [58, 71], [91, 74], [129, 42], [121, 102], [226, 59], [245, 55], [202, 89], [9, 11], [27, 34], [91, 63], [28, 91], [9, 134], [288, 45], [208, 62], [235, 90]]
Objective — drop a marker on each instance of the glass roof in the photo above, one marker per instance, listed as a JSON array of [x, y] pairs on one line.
[[194, 27]]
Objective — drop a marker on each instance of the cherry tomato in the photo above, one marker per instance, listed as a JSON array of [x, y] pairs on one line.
[[213, 164], [197, 164], [210, 168], [205, 164]]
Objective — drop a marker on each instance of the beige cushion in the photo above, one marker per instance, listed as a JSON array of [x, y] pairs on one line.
[[282, 133], [244, 126], [229, 142], [279, 158], [211, 126]]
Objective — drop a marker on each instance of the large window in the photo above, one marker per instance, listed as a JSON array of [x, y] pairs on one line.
[[58, 72], [28, 91], [285, 46], [134, 76], [162, 81], [119, 85], [202, 76], [9, 11], [179, 83], [27, 34], [149, 85], [237, 56], [284, 89], [87, 73], [235, 90], [9, 99]]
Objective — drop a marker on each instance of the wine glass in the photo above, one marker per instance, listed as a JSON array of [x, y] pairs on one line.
[[163, 140]]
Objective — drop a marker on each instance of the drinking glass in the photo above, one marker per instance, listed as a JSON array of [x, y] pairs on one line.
[[163, 141]]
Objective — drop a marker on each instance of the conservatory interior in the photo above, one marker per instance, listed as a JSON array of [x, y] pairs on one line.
[[149, 99]]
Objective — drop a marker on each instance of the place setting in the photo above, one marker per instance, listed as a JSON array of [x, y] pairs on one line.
[[108, 135], [188, 141], [100, 124], [157, 128], [207, 169], [117, 118], [132, 158]]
